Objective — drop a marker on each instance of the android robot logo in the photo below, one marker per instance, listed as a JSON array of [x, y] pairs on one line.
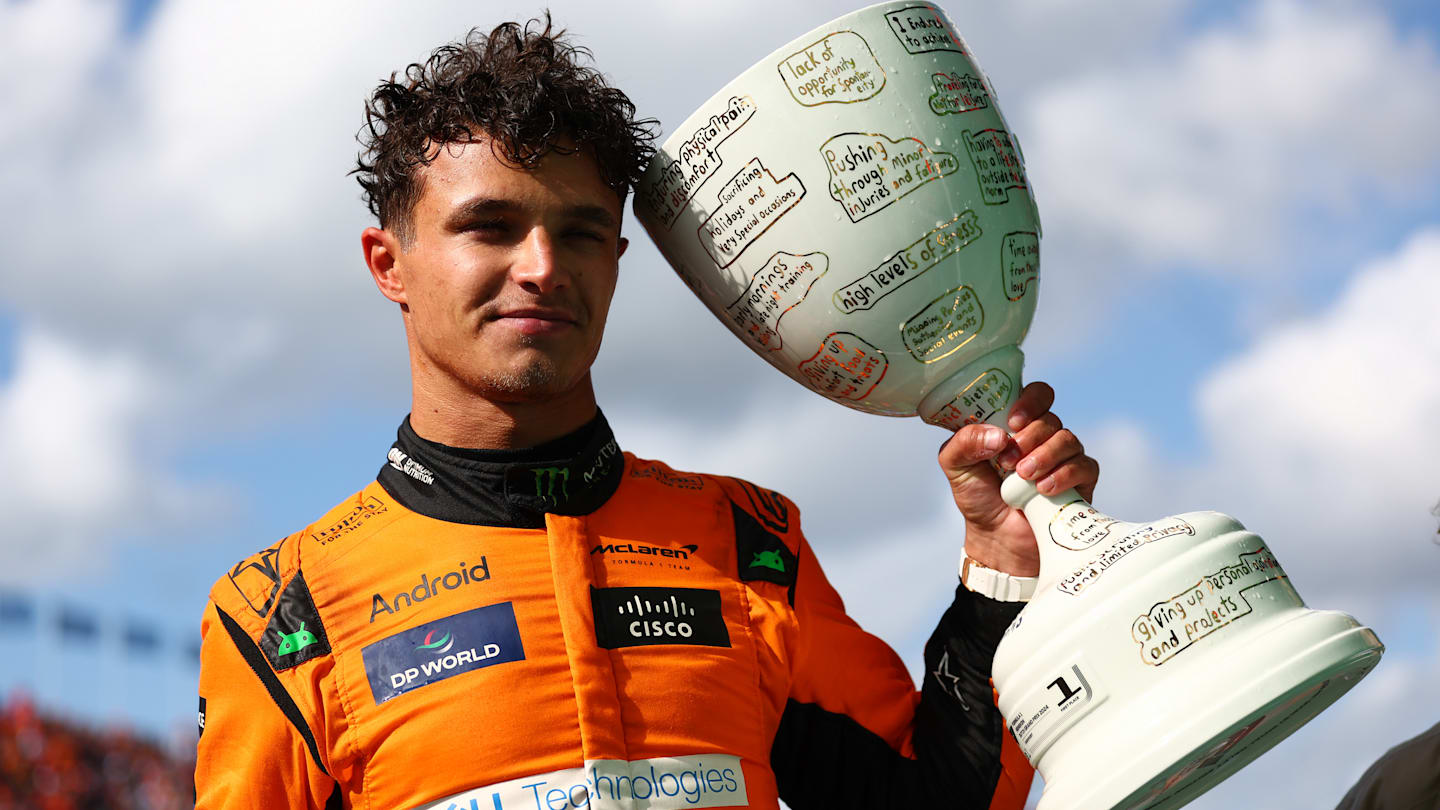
[[296, 641], [768, 559]]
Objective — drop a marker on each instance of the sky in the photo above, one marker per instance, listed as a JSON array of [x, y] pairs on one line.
[[1242, 265]]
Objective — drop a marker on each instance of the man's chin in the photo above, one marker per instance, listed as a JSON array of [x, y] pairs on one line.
[[533, 382]]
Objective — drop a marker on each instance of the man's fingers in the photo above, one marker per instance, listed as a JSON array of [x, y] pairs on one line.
[[1086, 487], [1059, 448], [1030, 437], [971, 445], [1034, 400], [1081, 472]]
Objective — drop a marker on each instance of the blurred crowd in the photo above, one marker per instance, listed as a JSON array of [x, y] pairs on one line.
[[50, 764]]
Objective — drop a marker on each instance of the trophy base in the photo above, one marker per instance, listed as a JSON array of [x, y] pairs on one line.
[[1210, 725]]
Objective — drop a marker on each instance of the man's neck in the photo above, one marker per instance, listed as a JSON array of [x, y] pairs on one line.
[[476, 422]]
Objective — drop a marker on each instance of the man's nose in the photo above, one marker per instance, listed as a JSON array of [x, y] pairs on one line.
[[536, 267]]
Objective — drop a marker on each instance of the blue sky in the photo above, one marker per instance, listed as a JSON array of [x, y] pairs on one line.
[[1242, 229]]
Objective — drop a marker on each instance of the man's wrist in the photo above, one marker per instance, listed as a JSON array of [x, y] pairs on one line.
[[995, 584], [993, 552]]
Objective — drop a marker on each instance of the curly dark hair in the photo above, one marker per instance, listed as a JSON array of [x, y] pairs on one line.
[[523, 87]]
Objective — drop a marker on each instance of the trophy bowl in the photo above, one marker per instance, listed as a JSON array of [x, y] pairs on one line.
[[852, 182], [855, 209]]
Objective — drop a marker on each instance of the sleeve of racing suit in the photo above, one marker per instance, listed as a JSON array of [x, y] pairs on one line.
[[854, 733], [256, 748]]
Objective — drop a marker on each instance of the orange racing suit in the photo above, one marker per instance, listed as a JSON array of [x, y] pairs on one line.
[[572, 627]]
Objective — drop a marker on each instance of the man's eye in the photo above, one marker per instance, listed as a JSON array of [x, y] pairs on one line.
[[487, 226], [581, 233]]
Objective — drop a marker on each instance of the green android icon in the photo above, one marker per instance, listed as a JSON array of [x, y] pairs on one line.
[[768, 559], [296, 641]]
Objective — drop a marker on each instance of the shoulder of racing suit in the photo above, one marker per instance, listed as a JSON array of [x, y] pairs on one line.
[[267, 590]]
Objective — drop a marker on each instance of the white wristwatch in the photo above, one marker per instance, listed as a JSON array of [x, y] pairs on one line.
[[996, 585]]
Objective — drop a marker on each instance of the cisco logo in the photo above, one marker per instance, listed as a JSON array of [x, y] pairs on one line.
[[637, 617], [673, 625]]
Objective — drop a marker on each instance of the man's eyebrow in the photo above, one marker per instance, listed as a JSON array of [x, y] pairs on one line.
[[594, 214], [481, 206], [478, 207]]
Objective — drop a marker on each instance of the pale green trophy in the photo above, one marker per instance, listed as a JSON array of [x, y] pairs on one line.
[[856, 209]]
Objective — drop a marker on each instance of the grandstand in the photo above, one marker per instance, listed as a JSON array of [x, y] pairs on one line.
[[50, 764], [91, 717]]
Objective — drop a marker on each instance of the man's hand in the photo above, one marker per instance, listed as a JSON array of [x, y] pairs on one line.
[[1042, 450]]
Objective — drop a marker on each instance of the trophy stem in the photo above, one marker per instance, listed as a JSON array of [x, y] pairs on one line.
[[981, 391], [1066, 526]]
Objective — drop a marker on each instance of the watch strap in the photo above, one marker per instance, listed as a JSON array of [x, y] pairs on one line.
[[997, 585]]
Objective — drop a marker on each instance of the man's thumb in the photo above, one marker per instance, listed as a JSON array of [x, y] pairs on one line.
[[971, 445]]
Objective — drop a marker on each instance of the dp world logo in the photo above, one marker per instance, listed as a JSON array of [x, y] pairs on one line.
[[442, 649], [438, 646]]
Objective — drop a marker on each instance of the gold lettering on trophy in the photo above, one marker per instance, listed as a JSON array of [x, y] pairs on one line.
[[869, 171], [921, 30], [1019, 263], [1215, 601], [1079, 525], [845, 367], [908, 263], [695, 161], [774, 290], [955, 93], [838, 69], [1081, 577], [979, 400], [750, 202], [943, 325], [996, 162]]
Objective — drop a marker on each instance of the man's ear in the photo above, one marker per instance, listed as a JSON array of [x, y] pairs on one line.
[[620, 245], [382, 249]]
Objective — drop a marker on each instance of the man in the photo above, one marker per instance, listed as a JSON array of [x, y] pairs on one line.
[[516, 614], [1407, 777]]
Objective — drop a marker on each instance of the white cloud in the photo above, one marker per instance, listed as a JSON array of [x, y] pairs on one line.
[[72, 412], [199, 204], [1216, 154], [1331, 421], [76, 472], [53, 55]]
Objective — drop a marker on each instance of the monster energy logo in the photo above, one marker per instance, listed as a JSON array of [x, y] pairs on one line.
[[545, 478]]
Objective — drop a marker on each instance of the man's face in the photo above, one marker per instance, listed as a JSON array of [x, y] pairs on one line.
[[509, 273]]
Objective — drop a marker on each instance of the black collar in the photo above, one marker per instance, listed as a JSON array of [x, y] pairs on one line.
[[572, 475]]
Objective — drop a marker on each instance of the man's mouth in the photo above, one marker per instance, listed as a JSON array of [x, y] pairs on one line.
[[537, 320]]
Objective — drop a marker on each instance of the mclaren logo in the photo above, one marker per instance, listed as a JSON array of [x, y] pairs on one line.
[[632, 553]]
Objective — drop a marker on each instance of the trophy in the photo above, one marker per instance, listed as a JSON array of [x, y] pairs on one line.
[[855, 208]]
